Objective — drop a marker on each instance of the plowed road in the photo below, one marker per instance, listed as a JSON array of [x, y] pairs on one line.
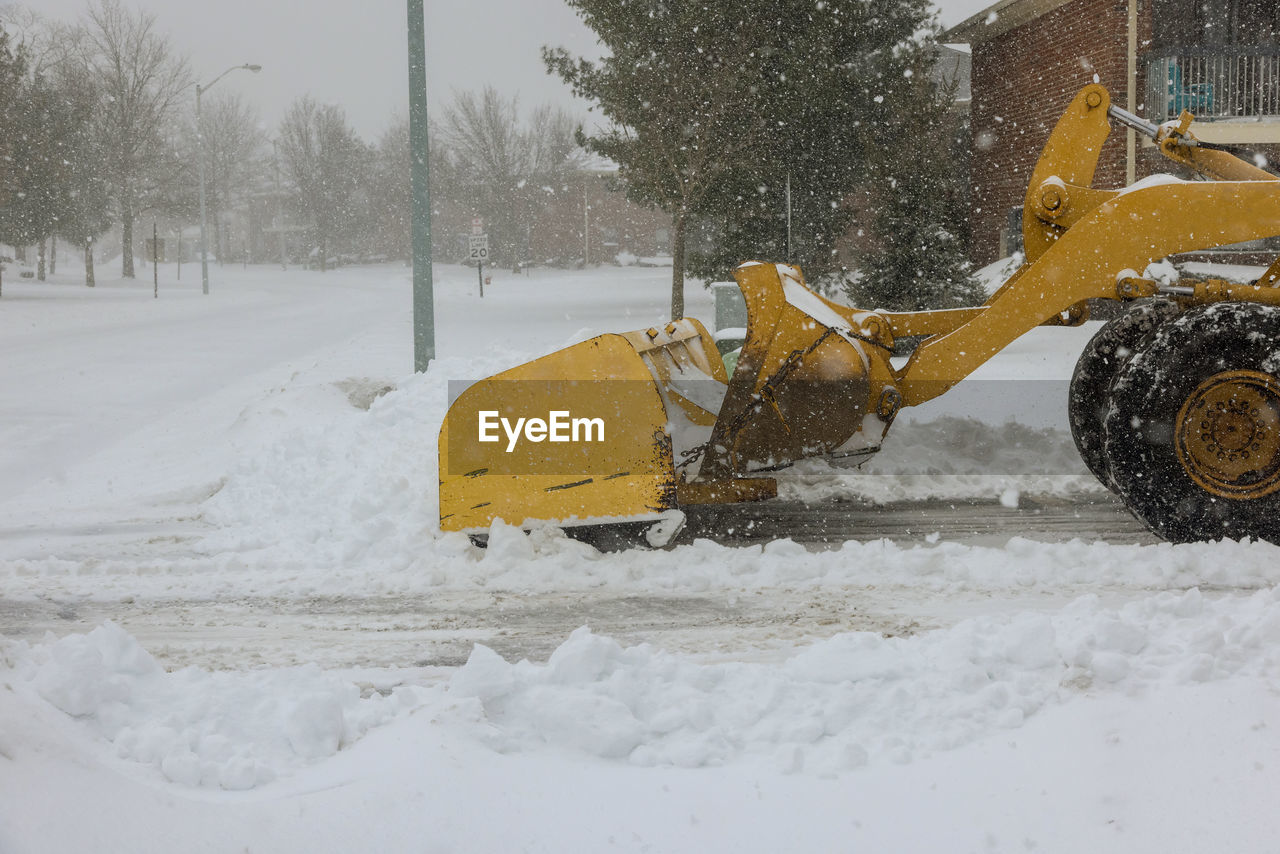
[[402, 631], [829, 523]]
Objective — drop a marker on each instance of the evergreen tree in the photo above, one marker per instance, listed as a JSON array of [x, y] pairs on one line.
[[919, 198], [674, 85], [53, 150], [832, 110], [12, 67], [40, 148], [11, 71], [713, 104]]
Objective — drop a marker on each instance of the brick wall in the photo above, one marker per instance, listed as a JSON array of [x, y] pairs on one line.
[[1022, 80]]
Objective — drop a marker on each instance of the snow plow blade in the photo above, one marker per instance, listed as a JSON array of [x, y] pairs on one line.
[[629, 428], [599, 448]]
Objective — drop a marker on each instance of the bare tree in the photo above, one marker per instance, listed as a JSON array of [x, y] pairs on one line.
[[390, 187], [42, 40], [143, 80], [506, 163], [325, 161], [390, 184], [233, 142]]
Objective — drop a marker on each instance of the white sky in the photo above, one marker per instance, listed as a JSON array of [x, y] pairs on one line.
[[354, 53]]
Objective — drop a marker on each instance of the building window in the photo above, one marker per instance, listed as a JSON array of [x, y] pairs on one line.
[[1011, 234]]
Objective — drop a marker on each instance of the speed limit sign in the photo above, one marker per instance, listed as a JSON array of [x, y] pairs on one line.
[[478, 247]]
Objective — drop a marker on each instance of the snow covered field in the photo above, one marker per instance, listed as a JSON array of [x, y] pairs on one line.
[[223, 507]]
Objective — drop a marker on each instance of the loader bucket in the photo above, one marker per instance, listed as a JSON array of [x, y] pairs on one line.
[[813, 379], [600, 446]]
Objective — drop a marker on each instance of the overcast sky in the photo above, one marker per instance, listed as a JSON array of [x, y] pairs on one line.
[[354, 53]]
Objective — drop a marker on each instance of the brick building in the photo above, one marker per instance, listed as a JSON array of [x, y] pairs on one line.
[[1218, 58]]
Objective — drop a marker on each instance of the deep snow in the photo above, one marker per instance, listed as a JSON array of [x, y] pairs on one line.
[[268, 443]]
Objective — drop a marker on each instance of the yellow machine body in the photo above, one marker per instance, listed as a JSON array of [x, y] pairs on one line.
[[675, 429], [814, 378]]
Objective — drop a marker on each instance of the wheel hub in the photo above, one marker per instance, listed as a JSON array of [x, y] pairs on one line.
[[1228, 434]]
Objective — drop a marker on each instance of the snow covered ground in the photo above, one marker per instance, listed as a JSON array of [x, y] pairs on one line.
[[223, 509]]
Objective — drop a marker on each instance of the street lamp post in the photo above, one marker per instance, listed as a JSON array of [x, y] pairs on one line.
[[204, 246], [424, 312]]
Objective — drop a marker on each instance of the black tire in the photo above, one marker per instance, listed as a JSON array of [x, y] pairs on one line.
[[1193, 431], [1106, 354]]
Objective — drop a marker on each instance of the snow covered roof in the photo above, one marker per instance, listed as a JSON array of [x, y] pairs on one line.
[[998, 19], [592, 163]]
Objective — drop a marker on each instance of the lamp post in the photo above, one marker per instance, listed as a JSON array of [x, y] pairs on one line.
[[204, 246], [424, 310]]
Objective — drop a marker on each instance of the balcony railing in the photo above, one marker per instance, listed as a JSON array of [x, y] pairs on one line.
[[1214, 83]]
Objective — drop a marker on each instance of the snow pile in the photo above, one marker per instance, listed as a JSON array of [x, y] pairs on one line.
[[234, 730], [861, 698], [995, 274], [855, 699], [341, 486]]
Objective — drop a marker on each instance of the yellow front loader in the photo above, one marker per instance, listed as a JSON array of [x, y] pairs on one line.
[[1175, 406]]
